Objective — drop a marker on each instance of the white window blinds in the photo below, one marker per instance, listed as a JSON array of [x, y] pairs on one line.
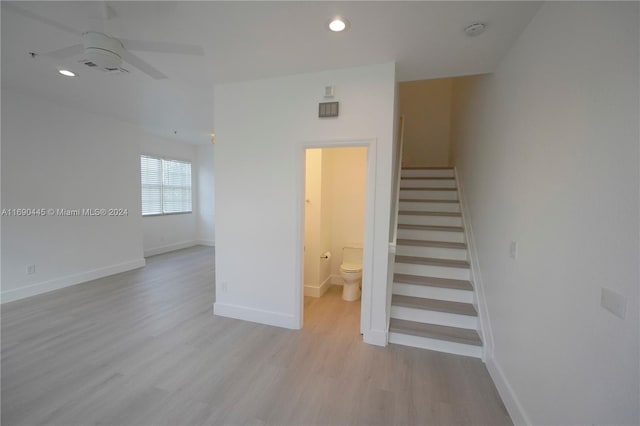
[[166, 186]]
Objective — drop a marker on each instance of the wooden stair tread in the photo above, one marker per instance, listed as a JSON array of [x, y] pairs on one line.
[[427, 168], [426, 243], [433, 331], [436, 305], [426, 188], [449, 263], [428, 213], [432, 228], [433, 282], [419, 200]]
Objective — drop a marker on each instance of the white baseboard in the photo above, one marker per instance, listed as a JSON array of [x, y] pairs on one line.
[[69, 280], [313, 291], [255, 315], [171, 247], [511, 401], [209, 243], [376, 337]]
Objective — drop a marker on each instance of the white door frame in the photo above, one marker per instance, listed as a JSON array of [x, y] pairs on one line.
[[367, 256]]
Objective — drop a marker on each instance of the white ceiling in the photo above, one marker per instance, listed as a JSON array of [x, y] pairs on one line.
[[243, 41]]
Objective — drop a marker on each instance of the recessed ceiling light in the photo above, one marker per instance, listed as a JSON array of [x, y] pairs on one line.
[[67, 73], [338, 24]]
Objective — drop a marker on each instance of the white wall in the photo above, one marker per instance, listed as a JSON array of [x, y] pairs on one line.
[[166, 233], [206, 201], [55, 157], [426, 107], [260, 129], [547, 149]]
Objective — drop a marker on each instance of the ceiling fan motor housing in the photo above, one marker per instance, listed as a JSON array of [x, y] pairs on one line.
[[101, 51]]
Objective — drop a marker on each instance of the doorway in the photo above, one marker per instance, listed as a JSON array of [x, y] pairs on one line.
[[335, 214]]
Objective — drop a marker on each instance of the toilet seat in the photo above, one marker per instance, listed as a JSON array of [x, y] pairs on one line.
[[351, 267]]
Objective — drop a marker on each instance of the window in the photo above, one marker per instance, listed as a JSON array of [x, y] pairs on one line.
[[166, 186]]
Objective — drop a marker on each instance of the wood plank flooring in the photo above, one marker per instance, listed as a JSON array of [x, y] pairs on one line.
[[143, 348]]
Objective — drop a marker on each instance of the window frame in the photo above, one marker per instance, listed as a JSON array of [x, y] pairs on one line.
[[165, 158]]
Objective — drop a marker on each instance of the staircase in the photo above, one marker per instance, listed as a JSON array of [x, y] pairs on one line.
[[432, 303]]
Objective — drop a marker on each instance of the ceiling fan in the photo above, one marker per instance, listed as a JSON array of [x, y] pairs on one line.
[[104, 52]]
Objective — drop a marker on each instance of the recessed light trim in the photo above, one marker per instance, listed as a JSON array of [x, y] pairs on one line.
[[67, 73], [338, 24]]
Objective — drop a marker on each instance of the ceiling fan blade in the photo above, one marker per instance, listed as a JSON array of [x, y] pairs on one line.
[[26, 13], [66, 52], [163, 47], [142, 65], [106, 11]]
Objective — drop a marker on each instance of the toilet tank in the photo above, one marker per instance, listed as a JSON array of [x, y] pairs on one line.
[[352, 255]]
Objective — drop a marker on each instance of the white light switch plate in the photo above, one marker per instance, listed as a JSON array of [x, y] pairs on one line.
[[614, 302], [513, 249]]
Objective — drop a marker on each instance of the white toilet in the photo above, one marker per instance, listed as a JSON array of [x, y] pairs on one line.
[[351, 272]]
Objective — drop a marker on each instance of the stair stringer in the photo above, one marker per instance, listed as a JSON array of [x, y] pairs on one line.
[[480, 301]]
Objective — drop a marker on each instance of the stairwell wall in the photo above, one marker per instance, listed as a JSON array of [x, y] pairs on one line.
[[548, 156], [426, 108]]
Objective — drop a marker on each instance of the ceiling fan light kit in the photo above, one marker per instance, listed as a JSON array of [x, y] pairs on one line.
[[102, 52], [106, 53]]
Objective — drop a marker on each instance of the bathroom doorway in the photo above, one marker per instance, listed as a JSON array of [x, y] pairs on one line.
[[336, 230]]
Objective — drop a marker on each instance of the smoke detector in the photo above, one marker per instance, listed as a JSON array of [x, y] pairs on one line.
[[475, 29]]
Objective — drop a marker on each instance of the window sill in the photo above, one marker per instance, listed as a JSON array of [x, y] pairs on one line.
[[165, 214]]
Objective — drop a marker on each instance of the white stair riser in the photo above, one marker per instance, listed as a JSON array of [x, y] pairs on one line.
[[433, 317], [418, 234], [427, 173], [429, 207], [437, 293], [436, 252], [425, 194], [432, 271], [435, 345], [431, 183], [410, 219]]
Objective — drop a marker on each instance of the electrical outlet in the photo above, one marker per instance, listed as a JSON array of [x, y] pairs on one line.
[[513, 250], [31, 269], [224, 286]]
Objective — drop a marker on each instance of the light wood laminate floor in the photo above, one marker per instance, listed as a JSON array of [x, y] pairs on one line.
[[143, 348]]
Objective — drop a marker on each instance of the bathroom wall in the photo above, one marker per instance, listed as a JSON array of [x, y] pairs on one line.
[[317, 223], [345, 171], [325, 222], [335, 189]]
